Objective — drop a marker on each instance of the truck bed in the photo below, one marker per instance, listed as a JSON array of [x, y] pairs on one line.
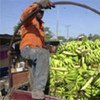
[[26, 95]]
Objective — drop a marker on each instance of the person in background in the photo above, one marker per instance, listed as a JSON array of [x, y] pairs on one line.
[[32, 47]]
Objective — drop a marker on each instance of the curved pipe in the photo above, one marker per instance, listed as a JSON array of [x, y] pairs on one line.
[[56, 3], [77, 4]]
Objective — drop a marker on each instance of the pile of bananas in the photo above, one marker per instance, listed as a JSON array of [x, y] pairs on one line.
[[75, 71]]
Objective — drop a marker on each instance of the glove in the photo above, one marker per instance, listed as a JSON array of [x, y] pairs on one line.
[[45, 4], [50, 5]]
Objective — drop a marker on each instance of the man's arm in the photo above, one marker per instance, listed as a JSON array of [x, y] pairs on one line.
[[28, 10], [39, 4]]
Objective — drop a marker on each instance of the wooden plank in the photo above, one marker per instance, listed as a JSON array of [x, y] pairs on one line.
[[26, 95]]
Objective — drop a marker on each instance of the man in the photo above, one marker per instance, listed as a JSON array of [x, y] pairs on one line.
[[32, 48]]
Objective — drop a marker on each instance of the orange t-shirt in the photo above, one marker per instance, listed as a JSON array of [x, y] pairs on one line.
[[32, 33]]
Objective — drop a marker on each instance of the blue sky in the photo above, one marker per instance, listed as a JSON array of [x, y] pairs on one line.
[[70, 19]]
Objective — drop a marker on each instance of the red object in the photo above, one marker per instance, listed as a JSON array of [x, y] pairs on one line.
[[25, 95]]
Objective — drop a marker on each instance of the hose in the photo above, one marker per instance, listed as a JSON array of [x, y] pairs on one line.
[[77, 4]]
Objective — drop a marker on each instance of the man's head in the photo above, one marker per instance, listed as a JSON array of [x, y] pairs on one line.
[[40, 14]]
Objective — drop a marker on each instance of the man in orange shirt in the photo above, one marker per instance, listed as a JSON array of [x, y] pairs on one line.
[[32, 48]]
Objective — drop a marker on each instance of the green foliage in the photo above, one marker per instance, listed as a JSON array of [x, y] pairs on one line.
[[15, 27], [62, 38], [48, 32], [94, 37]]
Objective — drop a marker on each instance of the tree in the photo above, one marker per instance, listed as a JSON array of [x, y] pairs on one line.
[[15, 27], [61, 38], [93, 37], [49, 34]]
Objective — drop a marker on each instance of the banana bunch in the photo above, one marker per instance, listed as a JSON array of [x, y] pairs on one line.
[[75, 70], [69, 46], [93, 57]]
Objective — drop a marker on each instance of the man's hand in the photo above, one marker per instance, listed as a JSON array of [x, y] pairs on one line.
[[45, 4], [50, 5], [51, 48]]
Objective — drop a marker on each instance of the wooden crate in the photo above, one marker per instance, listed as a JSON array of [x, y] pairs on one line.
[[19, 78]]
